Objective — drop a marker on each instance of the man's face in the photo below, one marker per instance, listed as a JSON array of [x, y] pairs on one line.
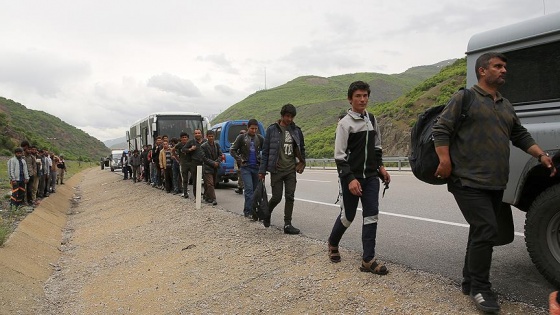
[[19, 155], [210, 138], [359, 101], [252, 130], [184, 139], [34, 151], [495, 74], [46, 153], [287, 119], [158, 142], [165, 144], [198, 134]]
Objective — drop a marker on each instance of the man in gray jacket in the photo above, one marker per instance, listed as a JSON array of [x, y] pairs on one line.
[[19, 176]]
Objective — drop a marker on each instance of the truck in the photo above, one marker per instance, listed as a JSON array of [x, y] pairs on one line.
[[225, 134], [115, 159], [532, 86]]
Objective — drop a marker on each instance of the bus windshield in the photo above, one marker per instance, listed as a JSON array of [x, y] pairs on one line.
[[172, 126]]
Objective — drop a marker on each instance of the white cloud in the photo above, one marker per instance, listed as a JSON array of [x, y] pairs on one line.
[[171, 83], [101, 65]]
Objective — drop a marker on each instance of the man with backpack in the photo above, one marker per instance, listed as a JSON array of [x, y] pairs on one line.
[[476, 164], [359, 161], [246, 150], [283, 156]]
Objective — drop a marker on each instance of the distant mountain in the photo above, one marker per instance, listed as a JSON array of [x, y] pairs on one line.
[[320, 100], [46, 131], [118, 143]]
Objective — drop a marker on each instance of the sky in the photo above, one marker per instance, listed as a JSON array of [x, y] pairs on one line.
[[101, 65]]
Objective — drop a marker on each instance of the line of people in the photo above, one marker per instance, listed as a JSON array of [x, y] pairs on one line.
[[477, 187], [34, 174]]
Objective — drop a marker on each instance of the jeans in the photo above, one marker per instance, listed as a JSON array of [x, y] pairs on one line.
[[250, 177], [176, 177], [370, 212], [278, 181], [479, 207]]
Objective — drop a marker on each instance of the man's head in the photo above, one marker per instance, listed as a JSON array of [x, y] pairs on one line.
[[358, 96], [288, 112], [145, 147], [165, 144], [210, 136], [252, 127], [165, 138], [24, 144], [491, 68], [184, 137], [18, 152], [198, 134], [158, 141]]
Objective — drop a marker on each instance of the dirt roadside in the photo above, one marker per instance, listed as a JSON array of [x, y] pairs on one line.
[[127, 248]]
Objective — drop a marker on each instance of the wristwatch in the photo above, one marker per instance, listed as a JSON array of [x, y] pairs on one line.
[[541, 155]]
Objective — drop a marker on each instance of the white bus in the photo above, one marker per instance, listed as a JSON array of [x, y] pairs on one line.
[[145, 130]]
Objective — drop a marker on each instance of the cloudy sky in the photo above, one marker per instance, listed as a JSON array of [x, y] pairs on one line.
[[101, 65]]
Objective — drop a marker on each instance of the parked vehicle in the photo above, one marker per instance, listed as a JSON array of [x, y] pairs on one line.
[[533, 87], [144, 131], [226, 133], [115, 159]]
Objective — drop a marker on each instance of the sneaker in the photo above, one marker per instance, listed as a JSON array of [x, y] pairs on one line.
[[214, 202], [553, 306], [486, 302], [290, 229], [239, 191], [266, 222], [466, 287]]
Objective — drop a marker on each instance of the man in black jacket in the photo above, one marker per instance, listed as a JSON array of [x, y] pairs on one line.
[[283, 155], [246, 150]]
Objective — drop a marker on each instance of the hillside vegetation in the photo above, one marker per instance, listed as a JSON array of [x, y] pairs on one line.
[[396, 100], [19, 123]]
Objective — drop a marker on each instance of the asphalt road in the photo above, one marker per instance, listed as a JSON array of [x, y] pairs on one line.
[[420, 227]]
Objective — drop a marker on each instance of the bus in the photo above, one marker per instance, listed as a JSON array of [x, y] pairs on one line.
[[145, 130]]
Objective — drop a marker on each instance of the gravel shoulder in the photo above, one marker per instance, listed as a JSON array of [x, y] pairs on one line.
[[130, 249]]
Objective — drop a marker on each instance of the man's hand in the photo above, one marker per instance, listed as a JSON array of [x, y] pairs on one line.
[[262, 176], [546, 161], [300, 167], [355, 187], [384, 175]]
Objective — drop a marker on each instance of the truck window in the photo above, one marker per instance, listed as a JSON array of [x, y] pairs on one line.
[[533, 74]]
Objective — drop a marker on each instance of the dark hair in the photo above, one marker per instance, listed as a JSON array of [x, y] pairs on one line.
[[253, 121], [358, 85], [182, 134], [288, 109], [484, 60], [18, 149], [173, 140], [210, 133], [24, 144]]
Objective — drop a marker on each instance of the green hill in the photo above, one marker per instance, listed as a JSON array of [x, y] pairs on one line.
[[19, 123], [395, 99]]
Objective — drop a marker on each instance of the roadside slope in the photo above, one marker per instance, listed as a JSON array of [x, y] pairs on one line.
[[28, 257]]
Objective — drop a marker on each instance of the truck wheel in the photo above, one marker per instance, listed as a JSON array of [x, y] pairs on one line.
[[112, 169], [542, 234]]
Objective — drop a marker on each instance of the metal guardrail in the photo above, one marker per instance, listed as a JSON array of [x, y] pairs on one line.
[[394, 162]]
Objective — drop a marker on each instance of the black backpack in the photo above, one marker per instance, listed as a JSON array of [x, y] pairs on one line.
[[423, 158]]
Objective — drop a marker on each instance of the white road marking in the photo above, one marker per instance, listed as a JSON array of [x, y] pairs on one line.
[[314, 180], [399, 215]]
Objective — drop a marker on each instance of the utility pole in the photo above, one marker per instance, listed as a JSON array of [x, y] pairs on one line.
[[265, 78]]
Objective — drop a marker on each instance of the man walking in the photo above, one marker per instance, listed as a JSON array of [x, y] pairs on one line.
[[246, 150], [359, 161], [195, 154], [283, 155], [183, 162], [477, 165], [19, 176], [212, 158]]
